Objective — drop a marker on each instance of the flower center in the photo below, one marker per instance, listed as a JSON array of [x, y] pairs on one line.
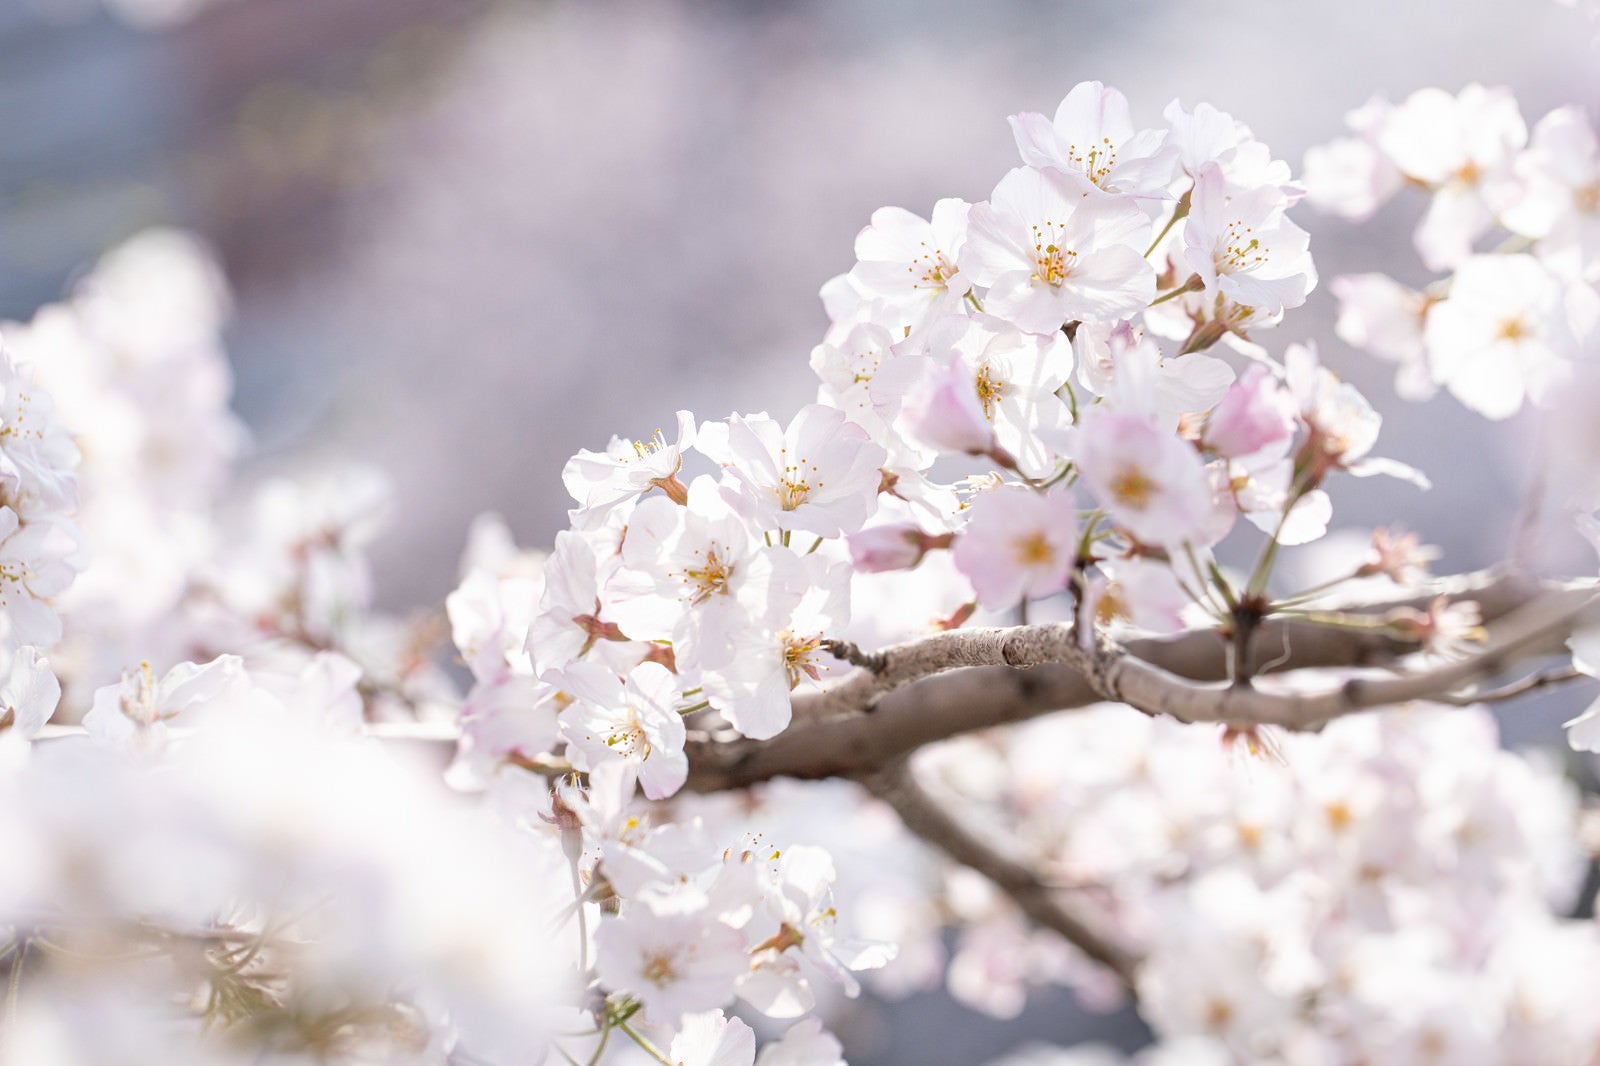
[[1242, 252], [797, 657], [794, 486], [1513, 330], [1097, 162], [646, 448], [658, 969], [710, 578], [629, 739], [930, 268], [1131, 488], [1033, 549], [990, 390], [1052, 263]]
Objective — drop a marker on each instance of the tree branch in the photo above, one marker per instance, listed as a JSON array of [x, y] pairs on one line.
[[918, 699], [930, 820], [1539, 627]]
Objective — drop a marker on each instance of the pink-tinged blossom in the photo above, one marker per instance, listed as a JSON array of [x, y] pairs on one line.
[[1151, 481], [1256, 413], [571, 621], [1386, 318], [1144, 594], [1052, 248], [1557, 201], [633, 719], [910, 263], [1015, 376], [677, 961], [1343, 426], [600, 481], [1018, 544], [38, 458], [944, 411], [1462, 148], [1502, 335], [900, 546], [1246, 251], [800, 901], [820, 475], [1093, 134]]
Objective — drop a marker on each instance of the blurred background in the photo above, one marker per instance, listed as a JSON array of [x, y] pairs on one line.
[[467, 237]]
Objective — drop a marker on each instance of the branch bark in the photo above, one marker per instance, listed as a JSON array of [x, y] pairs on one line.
[[933, 822], [964, 681]]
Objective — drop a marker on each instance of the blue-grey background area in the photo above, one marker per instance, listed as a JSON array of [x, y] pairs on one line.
[[468, 238]]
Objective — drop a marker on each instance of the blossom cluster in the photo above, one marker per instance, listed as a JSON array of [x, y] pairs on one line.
[[1058, 401], [1390, 890], [1512, 228]]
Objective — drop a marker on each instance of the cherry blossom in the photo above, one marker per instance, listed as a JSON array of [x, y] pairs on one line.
[[1052, 248], [912, 263], [1018, 544], [1093, 134]]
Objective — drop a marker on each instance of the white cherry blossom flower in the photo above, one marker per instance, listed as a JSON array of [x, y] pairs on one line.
[[1015, 377], [1246, 251], [29, 692], [634, 719], [600, 481], [1386, 318], [753, 690], [1093, 134], [676, 960], [911, 263], [140, 708], [692, 575], [710, 1039], [1052, 248], [806, 1043], [820, 474]]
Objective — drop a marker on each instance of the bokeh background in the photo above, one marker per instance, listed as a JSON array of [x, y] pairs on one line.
[[467, 238]]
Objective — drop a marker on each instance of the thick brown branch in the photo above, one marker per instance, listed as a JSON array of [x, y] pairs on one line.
[[930, 820], [830, 738]]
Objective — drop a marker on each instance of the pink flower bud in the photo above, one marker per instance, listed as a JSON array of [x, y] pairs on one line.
[[897, 547], [1256, 413], [944, 412]]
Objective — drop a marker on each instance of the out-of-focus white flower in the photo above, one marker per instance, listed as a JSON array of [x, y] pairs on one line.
[[1501, 336]]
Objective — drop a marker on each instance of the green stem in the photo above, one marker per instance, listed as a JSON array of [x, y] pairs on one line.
[[649, 1048], [1181, 210]]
